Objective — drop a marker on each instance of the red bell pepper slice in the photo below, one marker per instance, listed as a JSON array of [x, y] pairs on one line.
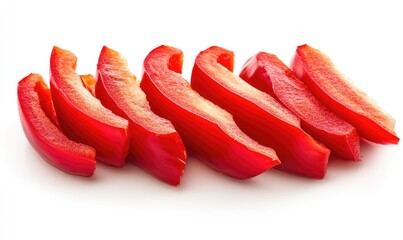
[[155, 145], [208, 131], [258, 114], [89, 82], [38, 119], [269, 74], [82, 117], [335, 92]]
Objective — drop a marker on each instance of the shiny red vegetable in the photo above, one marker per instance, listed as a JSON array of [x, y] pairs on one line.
[[155, 145], [258, 114], [330, 87], [208, 132], [39, 122], [81, 116], [269, 74]]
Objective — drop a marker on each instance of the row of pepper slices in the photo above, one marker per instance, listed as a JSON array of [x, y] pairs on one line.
[[238, 125]]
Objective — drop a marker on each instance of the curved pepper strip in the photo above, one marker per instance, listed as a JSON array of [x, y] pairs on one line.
[[335, 92], [269, 74], [39, 123], [82, 117], [258, 114], [208, 131], [155, 145]]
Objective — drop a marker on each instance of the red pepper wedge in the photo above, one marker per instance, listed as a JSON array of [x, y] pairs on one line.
[[208, 131], [82, 117], [38, 120], [155, 145], [269, 74], [258, 114], [339, 95]]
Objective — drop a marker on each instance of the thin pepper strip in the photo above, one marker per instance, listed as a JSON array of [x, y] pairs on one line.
[[38, 120], [339, 95], [269, 74], [82, 117]]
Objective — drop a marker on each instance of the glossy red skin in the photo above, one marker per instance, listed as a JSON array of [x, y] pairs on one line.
[[203, 136], [319, 74], [267, 73], [38, 121], [160, 152], [110, 137], [258, 114]]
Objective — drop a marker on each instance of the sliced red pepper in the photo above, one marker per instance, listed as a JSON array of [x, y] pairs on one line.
[[331, 88], [82, 117], [269, 74], [89, 82], [38, 120], [258, 114], [208, 131], [155, 145]]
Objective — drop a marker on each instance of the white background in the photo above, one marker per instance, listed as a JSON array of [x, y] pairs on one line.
[[355, 200]]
